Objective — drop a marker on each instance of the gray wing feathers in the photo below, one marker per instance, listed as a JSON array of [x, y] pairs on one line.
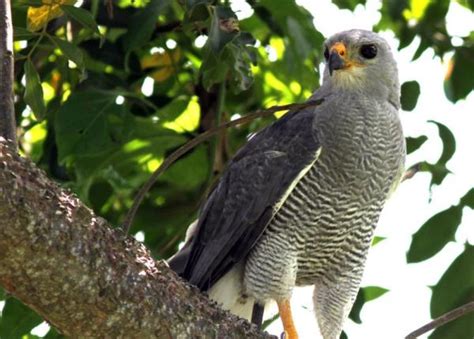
[[244, 201]]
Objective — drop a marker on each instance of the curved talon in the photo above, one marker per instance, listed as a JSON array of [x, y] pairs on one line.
[[285, 335]]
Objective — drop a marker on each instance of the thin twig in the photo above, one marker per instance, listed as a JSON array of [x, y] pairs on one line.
[[196, 141], [443, 319], [410, 173], [7, 108]]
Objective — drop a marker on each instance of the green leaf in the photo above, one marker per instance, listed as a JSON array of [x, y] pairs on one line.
[[17, 319], [438, 172], [365, 294], [434, 234], [414, 143], [298, 38], [439, 169], [233, 63], [190, 172], [197, 12], [70, 51], [174, 109], [191, 3], [142, 24], [32, 3], [241, 75], [455, 288], [270, 321], [424, 44], [393, 10], [33, 91], [213, 70], [263, 13], [468, 199], [467, 3], [227, 53], [376, 240], [302, 42], [410, 91], [357, 307], [449, 143], [458, 81], [90, 123], [223, 29], [20, 33], [348, 4], [82, 16], [53, 334], [121, 165], [433, 18], [373, 292]]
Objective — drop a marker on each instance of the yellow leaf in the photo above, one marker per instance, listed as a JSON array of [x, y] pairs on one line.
[[187, 121], [164, 62], [417, 10], [274, 82], [279, 45], [38, 17], [162, 74]]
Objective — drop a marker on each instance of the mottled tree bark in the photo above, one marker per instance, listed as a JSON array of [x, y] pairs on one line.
[[7, 109], [87, 279]]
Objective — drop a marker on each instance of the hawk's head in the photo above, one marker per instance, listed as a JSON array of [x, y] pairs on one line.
[[359, 59]]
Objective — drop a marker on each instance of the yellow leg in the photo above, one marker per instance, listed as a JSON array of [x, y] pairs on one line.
[[287, 319]]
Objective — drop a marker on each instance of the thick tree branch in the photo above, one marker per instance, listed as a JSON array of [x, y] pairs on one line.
[[7, 109], [87, 279]]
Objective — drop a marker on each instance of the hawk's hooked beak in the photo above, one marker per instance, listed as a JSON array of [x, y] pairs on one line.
[[337, 57]]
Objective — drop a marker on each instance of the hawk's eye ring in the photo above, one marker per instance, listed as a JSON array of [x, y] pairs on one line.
[[368, 51], [326, 53]]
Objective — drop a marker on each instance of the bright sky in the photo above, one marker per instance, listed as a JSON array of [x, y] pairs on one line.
[[406, 306]]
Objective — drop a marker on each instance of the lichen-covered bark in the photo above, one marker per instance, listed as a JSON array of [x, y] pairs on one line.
[[88, 279]]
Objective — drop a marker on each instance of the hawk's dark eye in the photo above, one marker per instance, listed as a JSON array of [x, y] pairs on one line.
[[326, 53], [368, 51]]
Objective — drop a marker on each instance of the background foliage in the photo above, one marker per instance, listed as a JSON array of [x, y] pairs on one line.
[[105, 91]]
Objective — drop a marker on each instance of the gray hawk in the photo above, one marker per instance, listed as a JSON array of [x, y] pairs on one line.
[[298, 204]]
